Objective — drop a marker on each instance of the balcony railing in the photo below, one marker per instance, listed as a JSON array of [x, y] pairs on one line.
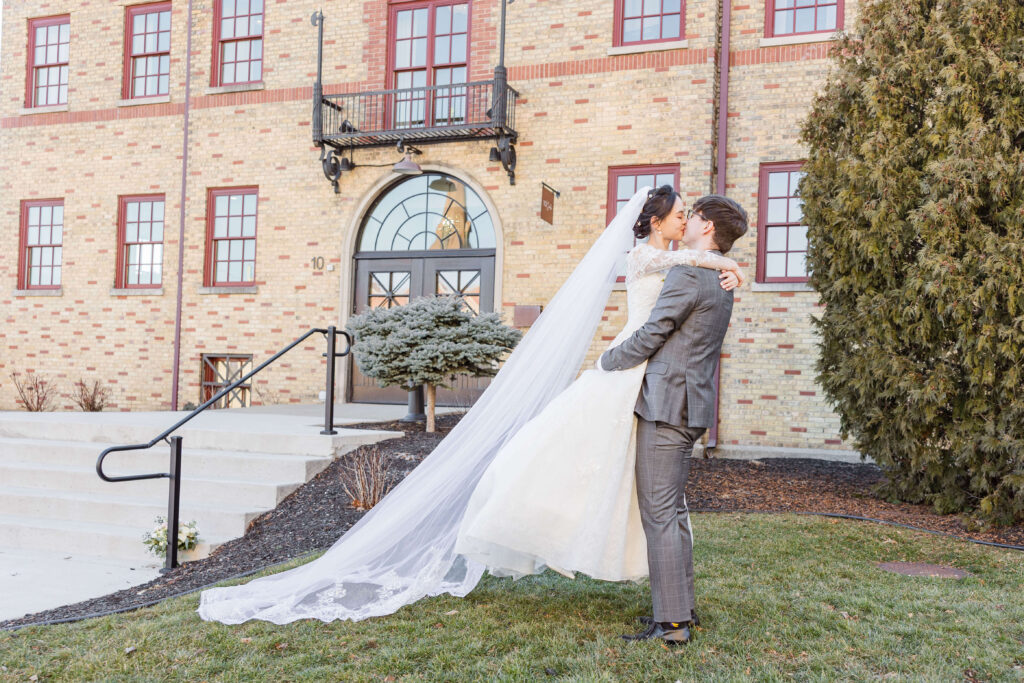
[[438, 113], [413, 116]]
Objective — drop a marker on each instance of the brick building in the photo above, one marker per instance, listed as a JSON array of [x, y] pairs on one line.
[[165, 218]]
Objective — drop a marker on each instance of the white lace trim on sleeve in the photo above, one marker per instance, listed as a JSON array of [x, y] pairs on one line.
[[645, 259]]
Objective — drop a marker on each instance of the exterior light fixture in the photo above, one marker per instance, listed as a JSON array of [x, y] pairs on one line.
[[407, 166]]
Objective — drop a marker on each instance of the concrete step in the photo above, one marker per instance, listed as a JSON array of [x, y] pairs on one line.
[[216, 430], [214, 520], [238, 491], [195, 461], [88, 538]]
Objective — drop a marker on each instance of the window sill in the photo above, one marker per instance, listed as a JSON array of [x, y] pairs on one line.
[[57, 108], [647, 47], [780, 287], [797, 40], [39, 292], [136, 291], [140, 101], [235, 87], [240, 289]]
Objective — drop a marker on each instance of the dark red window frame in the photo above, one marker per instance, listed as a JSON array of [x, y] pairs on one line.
[[220, 42], [130, 55], [24, 248], [624, 7], [430, 66], [31, 66], [762, 220], [212, 382], [770, 16], [616, 172], [212, 238], [123, 244]]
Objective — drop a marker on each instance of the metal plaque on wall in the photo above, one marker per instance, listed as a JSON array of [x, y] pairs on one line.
[[547, 204]]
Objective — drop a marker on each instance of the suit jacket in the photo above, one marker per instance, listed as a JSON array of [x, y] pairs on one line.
[[681, 341]]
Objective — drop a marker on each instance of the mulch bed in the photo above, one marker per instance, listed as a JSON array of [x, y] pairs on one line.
[[315, 515]]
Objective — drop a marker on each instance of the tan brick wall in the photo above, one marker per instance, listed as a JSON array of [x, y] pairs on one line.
[[581, 111]]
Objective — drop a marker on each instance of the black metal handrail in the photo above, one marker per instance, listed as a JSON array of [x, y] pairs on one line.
[[174, 493], [436, 113]]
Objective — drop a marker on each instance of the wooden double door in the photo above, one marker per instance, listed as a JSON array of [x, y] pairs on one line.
[[383, 281]]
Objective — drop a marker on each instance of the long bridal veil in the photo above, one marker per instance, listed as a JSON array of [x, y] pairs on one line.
[[403, 549]]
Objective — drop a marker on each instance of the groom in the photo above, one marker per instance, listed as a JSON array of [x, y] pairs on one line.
[[681, 341]]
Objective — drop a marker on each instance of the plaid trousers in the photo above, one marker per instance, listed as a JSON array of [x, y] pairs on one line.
[[663, 454]]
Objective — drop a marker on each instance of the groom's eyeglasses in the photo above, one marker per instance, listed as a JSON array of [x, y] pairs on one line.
[[690, 213]]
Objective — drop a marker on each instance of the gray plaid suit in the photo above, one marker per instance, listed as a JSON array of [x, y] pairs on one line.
[[681, 341]]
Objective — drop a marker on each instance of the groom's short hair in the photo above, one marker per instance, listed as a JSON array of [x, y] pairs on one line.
[[729, 217]]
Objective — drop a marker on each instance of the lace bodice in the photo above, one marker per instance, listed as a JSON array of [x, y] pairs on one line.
[[645, 259]]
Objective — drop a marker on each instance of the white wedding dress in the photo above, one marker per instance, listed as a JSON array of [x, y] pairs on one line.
[[561, 492]]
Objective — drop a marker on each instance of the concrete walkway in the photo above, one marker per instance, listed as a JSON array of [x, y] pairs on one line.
[[36, 580]]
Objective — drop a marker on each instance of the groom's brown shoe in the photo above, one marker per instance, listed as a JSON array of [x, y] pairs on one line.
[[647, 621], [672, 634]]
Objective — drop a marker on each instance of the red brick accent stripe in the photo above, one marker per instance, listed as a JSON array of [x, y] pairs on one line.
[[782, 53], [177, 108], [578, 67]]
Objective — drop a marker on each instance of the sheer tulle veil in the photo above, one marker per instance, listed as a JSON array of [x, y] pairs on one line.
[[403, 549]]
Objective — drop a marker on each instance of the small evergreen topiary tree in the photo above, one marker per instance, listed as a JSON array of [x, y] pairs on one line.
[[427, 342], [914, 198]]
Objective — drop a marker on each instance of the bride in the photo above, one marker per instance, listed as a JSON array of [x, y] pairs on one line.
[[539, 472]]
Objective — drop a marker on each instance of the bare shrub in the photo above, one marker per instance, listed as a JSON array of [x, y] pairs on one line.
[[91, 399], [36, 393], [365, 477], [265, 396]]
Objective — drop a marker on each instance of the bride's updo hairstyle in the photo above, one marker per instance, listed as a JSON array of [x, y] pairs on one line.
[[659, 204]]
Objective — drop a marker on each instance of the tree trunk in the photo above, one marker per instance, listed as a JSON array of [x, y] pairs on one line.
[[431, 405]]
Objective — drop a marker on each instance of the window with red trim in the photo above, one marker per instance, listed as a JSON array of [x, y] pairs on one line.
[[140, 237], [649, 21], [231, 242], [49, 41], [624, 181], [797, 17], [781, 234], [429, 47], [147, 65], [237, 42], [42, 237]]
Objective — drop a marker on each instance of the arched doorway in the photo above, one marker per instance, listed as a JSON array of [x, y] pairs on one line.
[[425, 235]]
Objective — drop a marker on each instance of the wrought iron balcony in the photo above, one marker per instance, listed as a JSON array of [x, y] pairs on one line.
[[452, 112], [439, 113]]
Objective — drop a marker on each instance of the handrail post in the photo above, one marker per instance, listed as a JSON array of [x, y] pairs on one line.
[[329, 394], [173, 498]]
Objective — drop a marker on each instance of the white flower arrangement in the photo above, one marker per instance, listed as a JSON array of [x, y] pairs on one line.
[[156, 540]]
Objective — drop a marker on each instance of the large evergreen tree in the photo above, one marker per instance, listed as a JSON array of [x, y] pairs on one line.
[[914, 197], [427, 342]]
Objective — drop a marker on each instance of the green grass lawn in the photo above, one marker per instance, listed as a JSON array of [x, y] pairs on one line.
[[780, 597]]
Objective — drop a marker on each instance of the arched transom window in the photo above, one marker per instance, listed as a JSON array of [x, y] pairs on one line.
[[429, 212]]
